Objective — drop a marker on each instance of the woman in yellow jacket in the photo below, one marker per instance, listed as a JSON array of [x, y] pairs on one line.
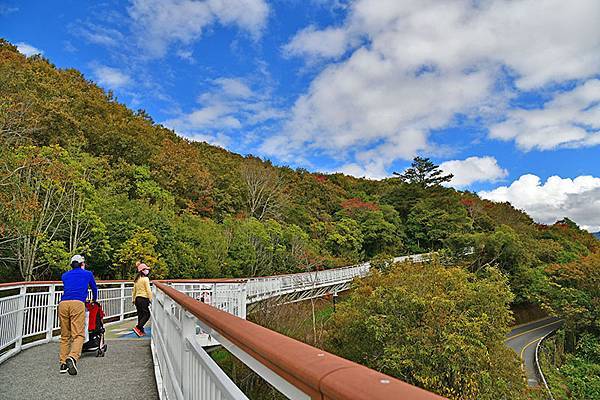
[[141, 297]]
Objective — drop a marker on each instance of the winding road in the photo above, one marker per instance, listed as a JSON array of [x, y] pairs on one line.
[[523, 339]]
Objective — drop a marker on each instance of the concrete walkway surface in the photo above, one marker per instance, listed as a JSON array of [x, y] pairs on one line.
[[126, 372]]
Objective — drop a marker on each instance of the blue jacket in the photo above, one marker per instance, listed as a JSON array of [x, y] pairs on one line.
[[76, 283]]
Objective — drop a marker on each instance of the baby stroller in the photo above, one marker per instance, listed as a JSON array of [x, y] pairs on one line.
[[95, 330]]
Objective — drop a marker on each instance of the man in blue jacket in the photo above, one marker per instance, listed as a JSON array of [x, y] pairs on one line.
[[71, 313]]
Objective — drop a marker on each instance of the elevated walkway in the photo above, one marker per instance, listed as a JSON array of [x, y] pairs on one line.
[[187, 315], [126, 372]]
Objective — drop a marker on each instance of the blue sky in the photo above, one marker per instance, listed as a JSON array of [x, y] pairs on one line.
[[505, 95]]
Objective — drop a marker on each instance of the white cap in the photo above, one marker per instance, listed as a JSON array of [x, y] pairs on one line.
[[78, 258]]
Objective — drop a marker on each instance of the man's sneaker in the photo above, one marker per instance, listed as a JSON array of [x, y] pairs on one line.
[[137, 331], [71, 366], [63, 368]]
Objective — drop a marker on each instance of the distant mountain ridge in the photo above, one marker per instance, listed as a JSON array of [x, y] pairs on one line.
[[597, 235]]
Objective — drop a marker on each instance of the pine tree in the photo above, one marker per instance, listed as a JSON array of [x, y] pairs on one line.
[[424, 173]]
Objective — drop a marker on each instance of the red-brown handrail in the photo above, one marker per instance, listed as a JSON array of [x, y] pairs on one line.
[[41, 283], [109, 281], [320, 374], [203, 280]]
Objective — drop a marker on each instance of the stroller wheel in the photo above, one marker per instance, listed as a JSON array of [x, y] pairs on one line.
[[101, 351]]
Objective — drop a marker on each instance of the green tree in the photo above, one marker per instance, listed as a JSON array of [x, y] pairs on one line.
[[424, 173], [380, 226], [434, 219], [511, 252], [37, 189], [342, 238], [146, 188], [250, 250], [139, 247], [197, 249], [439, 328]]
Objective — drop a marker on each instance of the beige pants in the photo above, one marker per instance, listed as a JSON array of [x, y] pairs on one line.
[[71, 314]]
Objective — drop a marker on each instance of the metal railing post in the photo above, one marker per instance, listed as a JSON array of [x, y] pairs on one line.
[[50, 313], [20, 318], [122, 315], [242, 301], [188, 331], [213, 296]]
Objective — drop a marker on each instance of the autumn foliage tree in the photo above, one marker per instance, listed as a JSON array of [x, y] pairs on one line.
[[177, 167]]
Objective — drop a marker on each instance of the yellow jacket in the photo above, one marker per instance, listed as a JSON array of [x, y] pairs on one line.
[[141, 288]]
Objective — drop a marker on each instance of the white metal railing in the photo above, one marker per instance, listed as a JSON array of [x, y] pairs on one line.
[[29, 311], [185, 371], [262, 288], [183, 368], [235, 295], [538, 368], [227, 296]]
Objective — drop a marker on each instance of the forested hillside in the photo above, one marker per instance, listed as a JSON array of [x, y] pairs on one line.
[[81, 173]]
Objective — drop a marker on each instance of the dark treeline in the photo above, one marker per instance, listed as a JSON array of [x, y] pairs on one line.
[[81, 173]]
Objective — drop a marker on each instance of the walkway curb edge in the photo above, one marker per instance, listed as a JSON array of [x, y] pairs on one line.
[[157, 376]]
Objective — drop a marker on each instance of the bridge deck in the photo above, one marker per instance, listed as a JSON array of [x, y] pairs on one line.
[[126, 372]]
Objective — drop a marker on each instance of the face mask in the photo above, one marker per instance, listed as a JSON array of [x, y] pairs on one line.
[[145, 272]]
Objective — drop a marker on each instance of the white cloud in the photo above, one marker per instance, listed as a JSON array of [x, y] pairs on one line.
[[230, 105], [216, 139], [111, 77], [6, 9], [372, 170], [332, 5], [473, 169], [158, 23], [100, 35], [414, 65], [27, 49], [234, 88], [187, 55], [577, 199], [570, 119], [310, 42]]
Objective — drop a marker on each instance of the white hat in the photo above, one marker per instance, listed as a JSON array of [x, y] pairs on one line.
[[78, 258]]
